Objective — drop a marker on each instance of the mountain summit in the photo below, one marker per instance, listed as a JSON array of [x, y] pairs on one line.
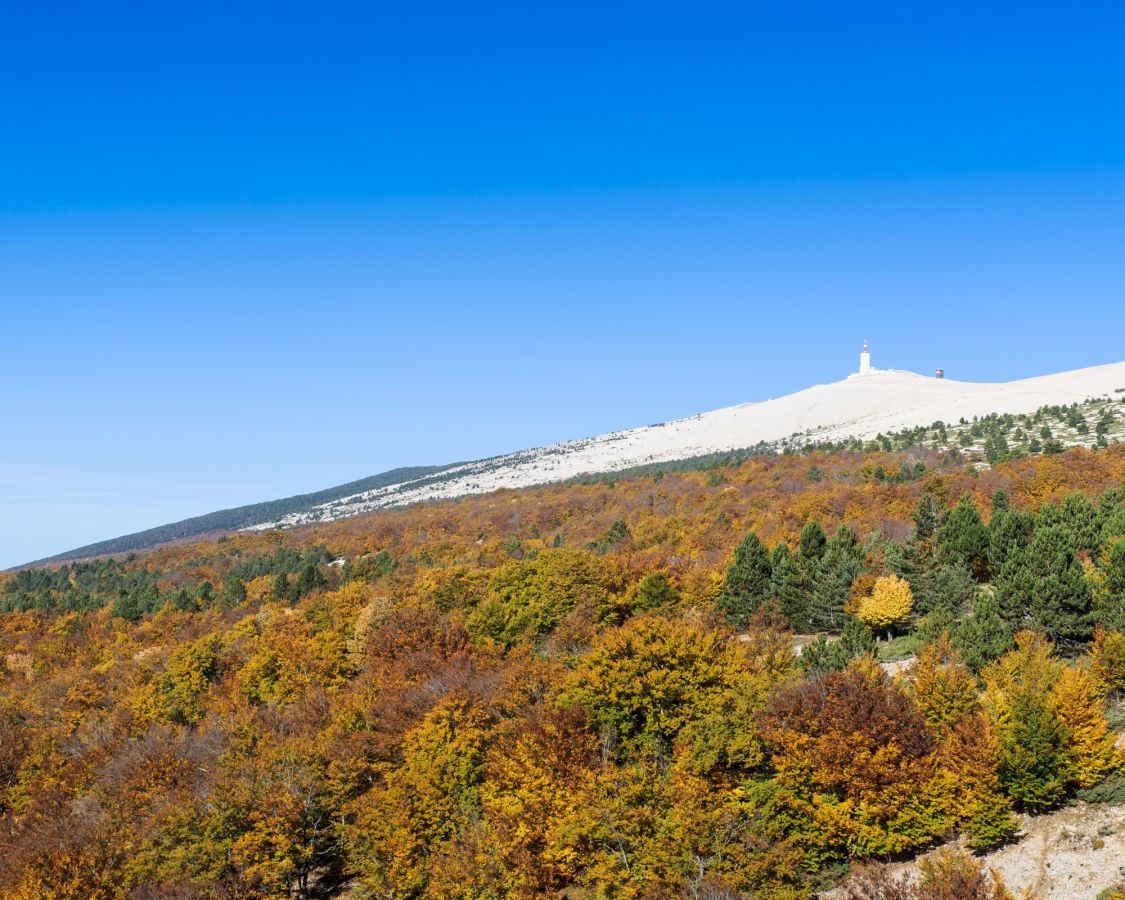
[[862, 406]]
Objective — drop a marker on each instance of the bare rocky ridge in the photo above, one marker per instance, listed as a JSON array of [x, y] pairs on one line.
[[861, 406]]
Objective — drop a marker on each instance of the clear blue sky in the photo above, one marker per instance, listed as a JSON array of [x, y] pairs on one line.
[[253, 250]]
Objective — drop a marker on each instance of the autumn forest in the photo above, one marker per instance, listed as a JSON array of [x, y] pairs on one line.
[[763, 679]]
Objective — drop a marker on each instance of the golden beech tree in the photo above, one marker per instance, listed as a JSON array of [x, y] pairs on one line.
[[649, 678], [647, 832], [289, 829], [541, 777], [402, 824], [722, 842], [1089, 742], [942, 687], [889, 604], [970, 754], [177, 695], [1107, 660]]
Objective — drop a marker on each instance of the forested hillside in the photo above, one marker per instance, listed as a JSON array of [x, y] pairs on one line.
[[660, 685]]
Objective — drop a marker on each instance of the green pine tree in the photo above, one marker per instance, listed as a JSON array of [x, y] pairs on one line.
[[1111, 611], [812, 541], [129, 605], [655, 591], [1082, 521], [1009, 532], [308, 579], [747, 582], [793, 587], [234, 591], [926, 518], [983, 636], [995, 447], [908, 560], [945, 588], [1044, 588], [184, 601], [962, 538], [280, 590], [857, 638], [831, 578]]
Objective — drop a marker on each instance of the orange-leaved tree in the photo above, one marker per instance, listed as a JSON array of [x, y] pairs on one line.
[[856, 764]]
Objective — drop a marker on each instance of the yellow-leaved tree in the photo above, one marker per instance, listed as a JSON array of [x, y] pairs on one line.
[[942, 687], [1107, 660], [1080, 708], [889, 604]]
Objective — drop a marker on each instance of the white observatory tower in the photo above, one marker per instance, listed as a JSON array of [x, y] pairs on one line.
[[865, 360]]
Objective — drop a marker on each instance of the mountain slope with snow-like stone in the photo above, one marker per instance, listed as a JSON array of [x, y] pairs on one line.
[[857, 407]]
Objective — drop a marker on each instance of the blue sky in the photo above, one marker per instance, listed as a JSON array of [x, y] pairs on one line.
[[253, 250]]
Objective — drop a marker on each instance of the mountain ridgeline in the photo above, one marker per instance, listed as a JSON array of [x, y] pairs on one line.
[[239, 517], [981, 424]]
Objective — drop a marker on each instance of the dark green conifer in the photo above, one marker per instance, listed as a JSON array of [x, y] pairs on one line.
[[945, 588], [983, 636], [831, 578], [963, 539], [812, 541], [779, 553], [748, 580], [129, 605], [308, 579], [655, 591], [1009, 532], [234, 591], [1110, 502], [280, 590], [995, 448], [183, 601], [1111, 612], [907, 560], [1044, 588], [821, 655], [857, 638], [793, 583], [1082, 521]]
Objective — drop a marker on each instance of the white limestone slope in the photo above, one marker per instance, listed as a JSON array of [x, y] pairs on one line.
[[857, 407]]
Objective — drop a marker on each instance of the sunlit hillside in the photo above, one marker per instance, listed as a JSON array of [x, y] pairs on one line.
[[678, 680]]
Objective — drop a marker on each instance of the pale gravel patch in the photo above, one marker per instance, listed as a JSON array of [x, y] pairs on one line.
[[1073, 853]]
